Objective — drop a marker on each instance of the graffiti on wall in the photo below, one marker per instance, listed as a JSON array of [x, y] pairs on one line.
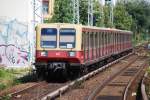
[[14, 44]]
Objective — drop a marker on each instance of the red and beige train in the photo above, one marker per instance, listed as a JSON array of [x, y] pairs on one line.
[[69, 48]]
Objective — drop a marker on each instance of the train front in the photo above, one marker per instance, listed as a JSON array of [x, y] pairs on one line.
[[58, 48]]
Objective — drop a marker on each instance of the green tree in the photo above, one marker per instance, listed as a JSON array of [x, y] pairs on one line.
[[139, 10], [62, 11], [122, 20], [83, 11], [98, 14]]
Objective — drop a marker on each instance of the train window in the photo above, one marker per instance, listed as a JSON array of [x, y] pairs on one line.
[[48, 37], [67, 38]]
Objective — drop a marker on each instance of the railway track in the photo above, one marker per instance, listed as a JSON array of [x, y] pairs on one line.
[[36, 92], [123, 84]]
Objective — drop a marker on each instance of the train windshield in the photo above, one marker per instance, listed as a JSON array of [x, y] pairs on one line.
[[67, 38], [48, 37]]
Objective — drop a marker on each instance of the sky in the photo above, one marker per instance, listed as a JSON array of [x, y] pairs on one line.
[[103, 1]]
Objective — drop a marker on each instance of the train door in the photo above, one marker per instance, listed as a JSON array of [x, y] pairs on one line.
[[96, 45], [110, 44], [103, 43], [104, 40], [106, 43], [123, 41], [130, 40], [117, 45], [119, 42], [126, 41], [108, 39], [83, 45], [113, 42], [91, 46], [100, 44], [122, 38], [88, 45]]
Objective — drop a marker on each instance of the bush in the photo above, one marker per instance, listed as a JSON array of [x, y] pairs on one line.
[[2, 86], [7, 79]]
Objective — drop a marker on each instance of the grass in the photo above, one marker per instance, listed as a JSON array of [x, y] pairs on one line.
[[78, 85], [9, 77]]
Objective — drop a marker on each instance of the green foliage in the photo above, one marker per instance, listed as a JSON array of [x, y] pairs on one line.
[[5, 74], [83, 12], [7, 79], [122, 20], [107, 21], [78, 85], [62, 12], [98, 14], [148, 70], [139, 10], [5, 97], [2, 86]]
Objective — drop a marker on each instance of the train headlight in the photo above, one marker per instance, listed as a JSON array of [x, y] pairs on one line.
[[72, 54], [43, 53]]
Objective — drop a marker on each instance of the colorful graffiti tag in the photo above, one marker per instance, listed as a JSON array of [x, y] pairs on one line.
[[14, 43], [11, 55]]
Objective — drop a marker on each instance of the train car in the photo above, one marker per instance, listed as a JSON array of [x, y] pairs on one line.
[[68, 49]]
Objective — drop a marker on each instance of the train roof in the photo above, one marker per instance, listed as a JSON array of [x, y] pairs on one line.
[[85, 27]]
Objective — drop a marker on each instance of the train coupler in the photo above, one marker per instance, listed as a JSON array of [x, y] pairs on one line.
[[57, 66]]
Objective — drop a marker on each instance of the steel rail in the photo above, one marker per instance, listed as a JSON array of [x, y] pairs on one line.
[[101, 86], [22, 90], [132, 80], [143, 91]]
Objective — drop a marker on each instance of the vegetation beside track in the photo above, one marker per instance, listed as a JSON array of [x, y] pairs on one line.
[[11, 77], [7, 79]]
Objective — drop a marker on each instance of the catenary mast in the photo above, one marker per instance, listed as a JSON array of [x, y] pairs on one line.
[[90, 12], [76, 15]]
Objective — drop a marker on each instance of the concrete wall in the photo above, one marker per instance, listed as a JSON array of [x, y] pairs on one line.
[[18, 19], [14, 9]]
